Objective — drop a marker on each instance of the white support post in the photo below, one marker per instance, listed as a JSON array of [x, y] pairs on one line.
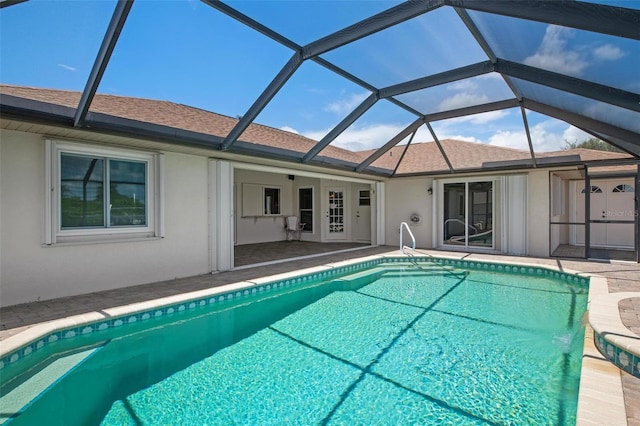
[[380, 214], [221, 215]]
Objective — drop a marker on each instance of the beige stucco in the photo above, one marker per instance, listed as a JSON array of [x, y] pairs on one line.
[[31, 271], [404, 197], [538, 213], [258, 229], [410, 195]]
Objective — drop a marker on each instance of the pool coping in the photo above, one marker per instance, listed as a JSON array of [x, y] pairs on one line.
[[600, 399]]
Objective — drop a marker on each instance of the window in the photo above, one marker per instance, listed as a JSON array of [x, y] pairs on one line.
[[623, 188], [98, 192], [260, 200], [594, 190], [364, 198], [101, 193], [271, 201], [305, 208]]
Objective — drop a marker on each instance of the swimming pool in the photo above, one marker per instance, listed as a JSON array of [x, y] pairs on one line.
[[397, 343]]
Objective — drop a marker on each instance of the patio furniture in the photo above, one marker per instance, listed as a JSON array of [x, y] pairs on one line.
[[293, 227]]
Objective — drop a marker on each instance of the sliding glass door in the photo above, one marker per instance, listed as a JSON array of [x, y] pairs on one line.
[[468, 214], [455, 201]]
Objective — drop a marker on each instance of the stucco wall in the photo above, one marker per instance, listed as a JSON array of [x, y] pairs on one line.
[[260, 229], [403, 198], [257, 229], [538, 213], [30, 271]]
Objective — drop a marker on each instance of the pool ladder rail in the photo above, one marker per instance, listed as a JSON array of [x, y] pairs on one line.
[[404, 225]]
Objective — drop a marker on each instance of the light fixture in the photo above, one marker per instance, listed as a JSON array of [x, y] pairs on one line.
[[430, 191]]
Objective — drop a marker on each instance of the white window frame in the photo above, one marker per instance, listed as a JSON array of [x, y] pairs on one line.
[[265, 204], [54, 234]]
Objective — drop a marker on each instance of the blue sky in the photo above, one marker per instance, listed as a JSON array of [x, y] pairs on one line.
[[186, 52]]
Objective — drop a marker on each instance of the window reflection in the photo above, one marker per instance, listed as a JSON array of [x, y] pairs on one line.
[[472, 224], [81, 191], [84, 197], [127, 194]]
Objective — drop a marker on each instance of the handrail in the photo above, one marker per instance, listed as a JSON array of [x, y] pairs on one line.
[[413, 239]]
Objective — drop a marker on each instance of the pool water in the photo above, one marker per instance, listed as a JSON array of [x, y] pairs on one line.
[[422, 344]]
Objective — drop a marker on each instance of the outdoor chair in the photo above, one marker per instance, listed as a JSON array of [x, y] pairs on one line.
[[293, 228]]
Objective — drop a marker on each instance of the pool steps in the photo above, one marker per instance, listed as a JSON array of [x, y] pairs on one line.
[[13, 401]]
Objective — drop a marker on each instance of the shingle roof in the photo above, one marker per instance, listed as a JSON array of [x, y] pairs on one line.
[[426, 156], [178, 116], [419, 157], [587, 154]]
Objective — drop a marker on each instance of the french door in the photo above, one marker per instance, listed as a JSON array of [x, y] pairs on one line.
[[335, 214]]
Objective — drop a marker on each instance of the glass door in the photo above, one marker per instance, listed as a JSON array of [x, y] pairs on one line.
[[335, 214], [468, 214], [455, 197], [481, 214]]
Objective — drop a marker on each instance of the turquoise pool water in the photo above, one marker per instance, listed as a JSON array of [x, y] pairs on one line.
[[405, 344]]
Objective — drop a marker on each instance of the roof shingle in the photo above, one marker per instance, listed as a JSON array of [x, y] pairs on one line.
[[418, 158]]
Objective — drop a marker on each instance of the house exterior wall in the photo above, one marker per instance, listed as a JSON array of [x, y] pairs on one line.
[[538, 213], [261, 229], [30, 270], [257, 228], [404, 197]]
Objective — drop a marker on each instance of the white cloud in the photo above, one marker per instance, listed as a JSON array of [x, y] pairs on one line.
[[475, 119], [361, 138], [461, 100], [463, 138], [545, 136], [573, 134], [346, 104], [289, 129], [510, 139], [463, 85], [608, 52], [552, 54], [422, 135], [487, 117], [67, 67]]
